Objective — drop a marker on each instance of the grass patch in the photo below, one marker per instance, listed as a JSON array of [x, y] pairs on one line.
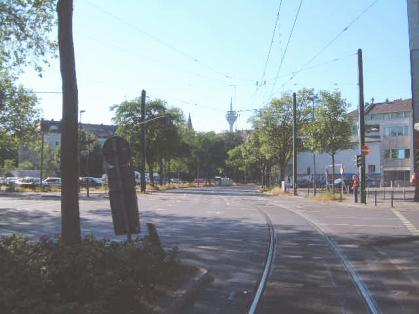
[[173, 186], [277, 191], [95, 276], [327, 196]]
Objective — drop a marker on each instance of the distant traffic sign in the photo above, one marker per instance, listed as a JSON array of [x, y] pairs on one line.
[[365, 150]]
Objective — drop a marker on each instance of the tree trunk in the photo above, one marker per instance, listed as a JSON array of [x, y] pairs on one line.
[[70, 216], [151, 173], [333, 173], [161, 172], [281, 173]]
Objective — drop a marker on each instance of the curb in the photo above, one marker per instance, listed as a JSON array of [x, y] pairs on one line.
[[183, 296]]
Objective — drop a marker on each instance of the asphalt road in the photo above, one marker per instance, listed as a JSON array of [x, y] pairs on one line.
[[327, 257]]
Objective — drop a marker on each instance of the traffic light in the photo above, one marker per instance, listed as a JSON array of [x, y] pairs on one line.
[[360, 160], [365, 150]]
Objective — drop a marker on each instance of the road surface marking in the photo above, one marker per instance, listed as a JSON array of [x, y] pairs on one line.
[[268, 264], [412, 229], [352, 225]]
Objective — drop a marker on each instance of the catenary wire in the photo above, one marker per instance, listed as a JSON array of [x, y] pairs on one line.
[[286, 47]]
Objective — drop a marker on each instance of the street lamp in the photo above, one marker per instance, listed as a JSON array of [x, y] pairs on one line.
[[87, 158]]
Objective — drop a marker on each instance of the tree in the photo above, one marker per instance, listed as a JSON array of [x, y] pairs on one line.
[[87, 142], [70, 215], [163, 138], [18, 117], [26, 164], [274, 125], [331, 130], [24, 29]]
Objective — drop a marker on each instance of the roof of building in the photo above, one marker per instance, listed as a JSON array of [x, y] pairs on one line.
[[396, 105], [100, 130]]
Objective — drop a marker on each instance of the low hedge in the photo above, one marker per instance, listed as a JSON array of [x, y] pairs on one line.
[[94, 276]]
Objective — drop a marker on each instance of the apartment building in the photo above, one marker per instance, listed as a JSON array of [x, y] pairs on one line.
[[52, 138], [388, 130]]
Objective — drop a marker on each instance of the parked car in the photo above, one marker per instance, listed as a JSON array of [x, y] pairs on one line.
[[11, 180], [28, 182], [52, 181], [347, 184], [91, 181]]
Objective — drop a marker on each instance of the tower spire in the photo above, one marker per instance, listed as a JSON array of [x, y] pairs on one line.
[[189, 123], [231, 115]]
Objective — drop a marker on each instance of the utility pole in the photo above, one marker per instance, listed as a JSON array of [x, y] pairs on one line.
[[361, 125], [413, 20], [294, 143], [314, 153], [143, 141]]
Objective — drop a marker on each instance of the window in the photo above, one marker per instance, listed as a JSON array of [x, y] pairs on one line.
[[371, 168], [388, 115], [396, 131], [308, 171], [354, 130], [399, 153]]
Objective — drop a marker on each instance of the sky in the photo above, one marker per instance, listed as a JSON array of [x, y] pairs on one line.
[[198, 55]]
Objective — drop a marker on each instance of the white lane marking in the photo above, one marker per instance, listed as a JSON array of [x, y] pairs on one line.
[[357, 218], [353, 225], [214, 212], [412, 229], [268, 264]]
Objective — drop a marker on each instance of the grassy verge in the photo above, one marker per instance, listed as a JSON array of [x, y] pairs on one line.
[[92, 277], [173, 186], [327, 196]]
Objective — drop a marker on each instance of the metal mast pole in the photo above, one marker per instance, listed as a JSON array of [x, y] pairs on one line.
[[294, 143], [413, 19], [361, 125]]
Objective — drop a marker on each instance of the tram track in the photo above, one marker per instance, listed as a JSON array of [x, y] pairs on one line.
[[364, 293]]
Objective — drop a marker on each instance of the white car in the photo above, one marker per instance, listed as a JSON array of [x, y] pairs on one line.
[[52, 181]]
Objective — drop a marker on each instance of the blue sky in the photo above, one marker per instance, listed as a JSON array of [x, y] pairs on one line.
[[198, 54]]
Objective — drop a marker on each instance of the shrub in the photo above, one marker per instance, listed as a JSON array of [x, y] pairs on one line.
[[95, 276]]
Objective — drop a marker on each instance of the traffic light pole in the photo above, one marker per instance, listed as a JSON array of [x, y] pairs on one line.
[[361, 126]]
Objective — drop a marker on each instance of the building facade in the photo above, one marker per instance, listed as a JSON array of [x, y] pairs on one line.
[[388, 134], [52, 138]]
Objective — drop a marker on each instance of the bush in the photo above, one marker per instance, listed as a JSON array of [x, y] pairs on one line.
[[91, 277]]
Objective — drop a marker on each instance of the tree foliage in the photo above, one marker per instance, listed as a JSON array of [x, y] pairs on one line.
[[24, 33], [330, 131]]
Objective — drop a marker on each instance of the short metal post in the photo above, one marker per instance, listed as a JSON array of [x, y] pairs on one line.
[[384, 189], [391, 197], [375, 197], [404, 193], [308, 191], [356, 195]]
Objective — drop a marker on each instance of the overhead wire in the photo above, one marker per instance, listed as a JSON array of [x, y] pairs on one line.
[[268, 54], [158, 40], [286, 47], [272, 41], [292, 75], [336, 37]]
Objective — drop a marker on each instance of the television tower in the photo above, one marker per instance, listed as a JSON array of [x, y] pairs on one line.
[[231, 116]]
